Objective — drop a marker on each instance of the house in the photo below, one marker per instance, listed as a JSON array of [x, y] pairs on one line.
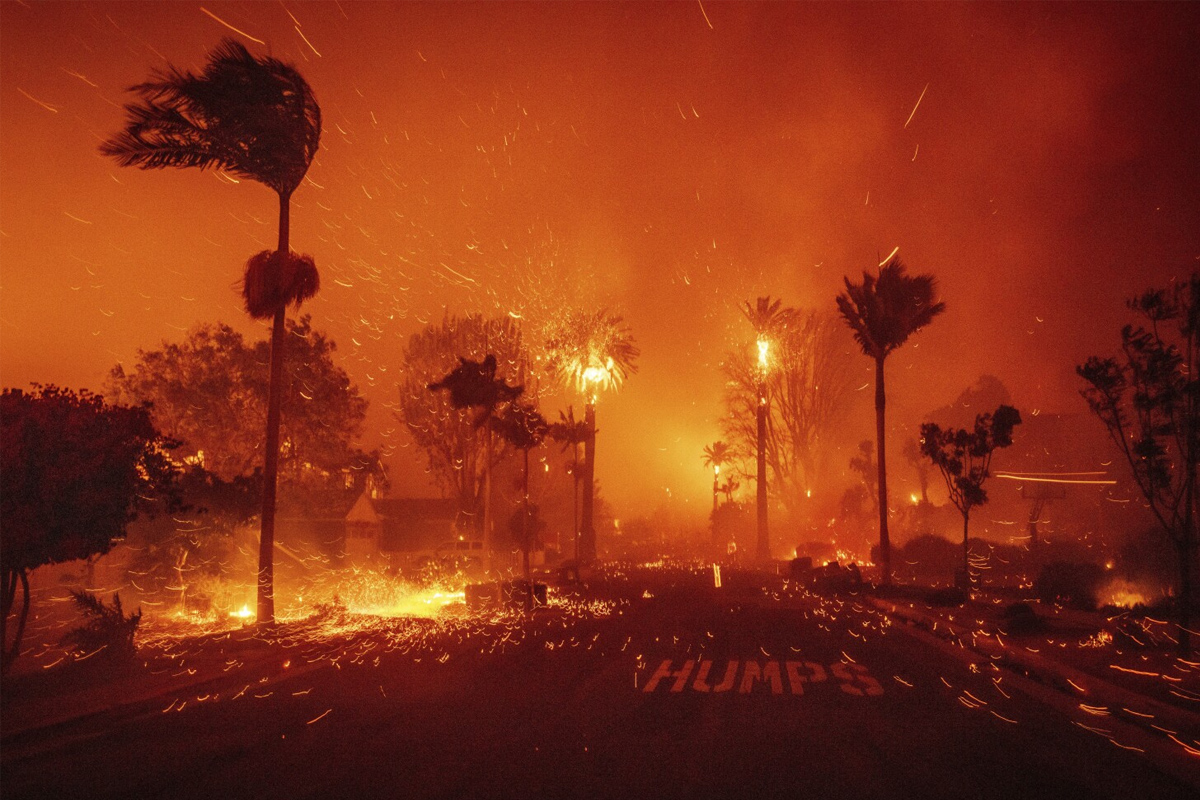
[[397, 527]]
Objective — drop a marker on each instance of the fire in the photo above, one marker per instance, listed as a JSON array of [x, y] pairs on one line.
[[764, 345], [243, 613], [1123, 594]]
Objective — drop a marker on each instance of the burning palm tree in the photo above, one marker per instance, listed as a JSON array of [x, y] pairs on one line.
[[256, 118], [768, 318], [883, 311], [717, 455], [589, 352]]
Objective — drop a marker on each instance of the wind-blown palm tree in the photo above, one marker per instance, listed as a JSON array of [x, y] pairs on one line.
[[768, 318], [883, 311], [256, 118], [717, 455], [589, 352]]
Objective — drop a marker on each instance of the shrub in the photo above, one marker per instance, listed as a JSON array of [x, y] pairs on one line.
[[107, 627], [1072, 584]]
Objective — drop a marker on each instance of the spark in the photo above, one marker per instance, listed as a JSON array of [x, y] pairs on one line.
[[235, 30], [895, 250], [705, 13], [914, 111], [46, 106], [318, 719], [81, 77], [306, 41]]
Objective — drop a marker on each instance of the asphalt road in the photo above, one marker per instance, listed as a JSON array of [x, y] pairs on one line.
[[683, 690]]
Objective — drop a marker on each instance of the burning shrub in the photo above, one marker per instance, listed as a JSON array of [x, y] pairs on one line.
[[1072, 584], [107, 628]]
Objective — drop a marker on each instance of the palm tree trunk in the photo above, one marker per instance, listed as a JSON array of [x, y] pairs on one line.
[[266, 541], [764, 543], [587, 533], [885, 545]]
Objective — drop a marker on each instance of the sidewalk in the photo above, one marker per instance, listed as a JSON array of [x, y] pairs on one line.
[[1074, 655]]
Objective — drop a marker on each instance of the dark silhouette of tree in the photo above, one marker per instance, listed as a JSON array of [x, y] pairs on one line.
[[474, 385], [76, 472], [963, 457], [882, 312], [524, 427], [210, 392], [1149, 399], [256, 118], [868, 471], [588, 352], [456, 448], [571, 433]]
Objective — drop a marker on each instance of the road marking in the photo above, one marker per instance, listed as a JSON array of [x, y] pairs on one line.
[[853, 679]]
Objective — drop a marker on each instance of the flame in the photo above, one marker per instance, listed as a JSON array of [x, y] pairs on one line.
[[764, 346]]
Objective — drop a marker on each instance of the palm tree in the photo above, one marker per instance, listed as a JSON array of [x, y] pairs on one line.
[[768, 318], [717, 455], [883, 311], [571, 432], [589, 352], [473, 384], [256, 118]]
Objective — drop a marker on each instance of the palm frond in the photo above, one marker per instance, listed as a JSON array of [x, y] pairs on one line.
[[274, 280], [253, 117], [884, 310]]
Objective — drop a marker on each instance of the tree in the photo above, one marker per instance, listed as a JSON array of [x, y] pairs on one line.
[[882, 312], [912, 454], [474, 385], [256, 118], [717, 455], [570, 432], [963, 457], [807, 389], [1149, 400], [524, 427], [456, 449], [587, 352], [868, 471], [76, 472], [210, 393]]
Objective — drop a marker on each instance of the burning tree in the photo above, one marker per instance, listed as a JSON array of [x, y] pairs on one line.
[[456, 449], [1149, 399], [588, 352], [256, 118], [882, 312], [807, 386], [76, 472], [963, 457]]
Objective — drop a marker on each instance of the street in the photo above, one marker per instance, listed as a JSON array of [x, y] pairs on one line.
[[670, 688]]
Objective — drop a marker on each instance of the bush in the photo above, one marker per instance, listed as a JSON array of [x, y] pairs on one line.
[[1021, 618], [107, 627], [1072, 584]]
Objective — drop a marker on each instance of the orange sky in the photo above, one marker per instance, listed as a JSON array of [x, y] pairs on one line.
[[497, 157]]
